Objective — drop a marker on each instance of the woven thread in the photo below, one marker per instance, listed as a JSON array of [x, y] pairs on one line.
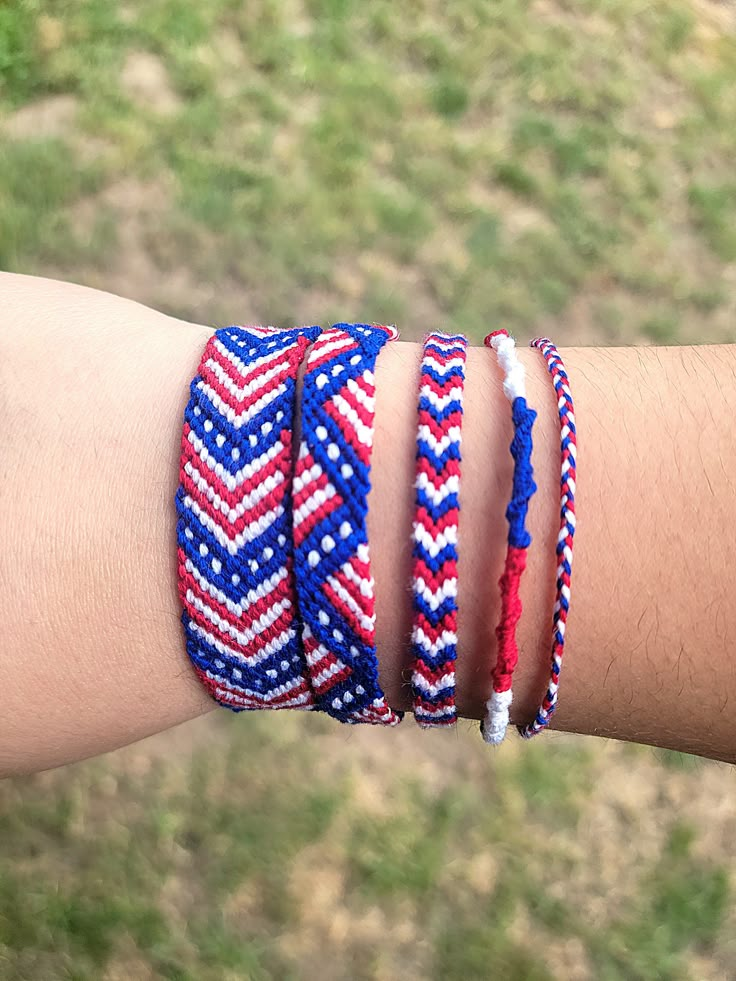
[[568, 478], [435, 530], [332, 478], [496, 721], [235, 553]]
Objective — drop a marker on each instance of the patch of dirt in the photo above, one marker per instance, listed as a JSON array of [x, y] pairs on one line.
[[144, 78], [142, 265], [518, 217], [715, 16], [49, 118]]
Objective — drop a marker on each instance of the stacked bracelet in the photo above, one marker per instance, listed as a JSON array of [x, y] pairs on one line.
[[234, 530], [334, 583], [496, 720], [275, 580], [568, 477], [434, 573]]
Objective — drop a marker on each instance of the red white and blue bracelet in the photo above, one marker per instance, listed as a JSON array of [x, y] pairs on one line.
[[496, 720], [234, 531], [435, 530], [568, 485], [274, 572], [331, 483]]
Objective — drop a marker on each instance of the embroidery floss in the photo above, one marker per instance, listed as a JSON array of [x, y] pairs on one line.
[[234, 530], [496, 720], [332, 479], [568, 478], [435, 553]]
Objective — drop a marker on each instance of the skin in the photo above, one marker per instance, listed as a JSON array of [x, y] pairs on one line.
[[92, 391]]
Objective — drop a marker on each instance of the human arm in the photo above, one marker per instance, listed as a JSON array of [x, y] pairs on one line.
[[92, 390]]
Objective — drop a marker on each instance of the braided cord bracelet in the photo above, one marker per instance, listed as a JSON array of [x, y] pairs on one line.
[[568, 477], [234, 530], [332, 478], [435, 555], [496, 720]]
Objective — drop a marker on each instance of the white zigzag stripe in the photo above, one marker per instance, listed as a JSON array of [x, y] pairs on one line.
[[329, 346], [252, 597], [247, 368], [447, 366], [424, 713], [237, 420], [439, 446], [365, 586], [364, 433], [323, 676], [313, 473], [367, 622], [446, 681], [272, 647], [365, 399], [434, 598], [446, 639], [247, 503], [233, 481], [247, 635], [316, 656], [440, 402], [269, 696], [434, 545], [437, 494], [320, 496], [233, 545], [445, 341], [259, 381]]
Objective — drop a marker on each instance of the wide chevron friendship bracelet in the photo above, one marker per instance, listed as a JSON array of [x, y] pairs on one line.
[[234, 529], [435, 530], [568, 478], [496, 719], [332, 479]]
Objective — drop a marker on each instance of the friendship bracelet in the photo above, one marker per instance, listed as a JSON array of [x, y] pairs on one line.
[[234, 529], [434, 573], [332, 478], [568, 477], [496, 719]]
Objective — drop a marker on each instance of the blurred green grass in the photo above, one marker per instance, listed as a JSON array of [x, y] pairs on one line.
[[552, 166], [467, 162]]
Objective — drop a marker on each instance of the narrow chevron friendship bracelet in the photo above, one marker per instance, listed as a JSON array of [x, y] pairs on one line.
[[234, 532], [496, 720], [568, 477], [332, 479], [435, 555]]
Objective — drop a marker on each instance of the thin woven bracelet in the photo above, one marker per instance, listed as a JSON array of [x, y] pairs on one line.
[[568, 476], [332, 479], [234, 527], [496, 720], [435, 573]]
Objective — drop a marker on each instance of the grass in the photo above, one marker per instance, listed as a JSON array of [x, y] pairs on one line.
[[297, 138], [563, 166]]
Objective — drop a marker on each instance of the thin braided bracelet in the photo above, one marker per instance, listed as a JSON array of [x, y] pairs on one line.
[[332, 479], [434, 573], [496, 720], [568, 476], [234, 528]]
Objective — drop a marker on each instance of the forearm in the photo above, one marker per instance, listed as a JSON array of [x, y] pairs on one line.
[[652, 629], [92, 652]]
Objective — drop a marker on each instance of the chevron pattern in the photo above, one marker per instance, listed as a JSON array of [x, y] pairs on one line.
[[568, 479], [235, 552], [435, 530], [331, 484]]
